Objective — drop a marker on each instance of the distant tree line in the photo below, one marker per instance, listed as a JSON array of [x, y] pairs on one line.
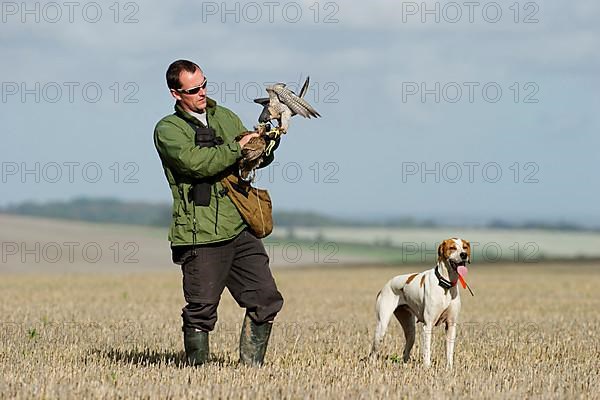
[[97, 210], [109, 210]]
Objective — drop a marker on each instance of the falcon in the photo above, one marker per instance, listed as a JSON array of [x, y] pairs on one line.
[[283, 103]]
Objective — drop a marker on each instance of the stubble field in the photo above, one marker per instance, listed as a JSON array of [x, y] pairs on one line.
[[530, 332]]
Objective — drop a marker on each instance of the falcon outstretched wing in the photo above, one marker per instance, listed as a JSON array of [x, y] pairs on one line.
[[295, 103]]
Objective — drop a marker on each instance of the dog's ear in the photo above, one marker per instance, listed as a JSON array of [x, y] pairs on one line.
[[468, 250], [441, 250]]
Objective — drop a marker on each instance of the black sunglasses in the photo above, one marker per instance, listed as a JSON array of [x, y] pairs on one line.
[[194, 89]]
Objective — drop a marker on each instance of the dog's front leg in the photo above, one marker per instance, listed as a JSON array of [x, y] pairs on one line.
[[450, 339], [427, 329]]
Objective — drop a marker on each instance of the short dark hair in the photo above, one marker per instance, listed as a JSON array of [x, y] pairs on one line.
[[175, 69]]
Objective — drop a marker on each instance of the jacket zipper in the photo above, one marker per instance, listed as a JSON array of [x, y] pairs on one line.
[[216, 193]]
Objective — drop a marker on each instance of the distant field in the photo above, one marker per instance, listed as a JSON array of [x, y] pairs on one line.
[[530, 332], [419, 244], [37, 244]]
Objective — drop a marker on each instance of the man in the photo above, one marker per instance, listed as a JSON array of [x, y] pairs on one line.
[[208, 236]]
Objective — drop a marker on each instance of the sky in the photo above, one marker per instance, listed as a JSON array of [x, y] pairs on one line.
[[452, 111]]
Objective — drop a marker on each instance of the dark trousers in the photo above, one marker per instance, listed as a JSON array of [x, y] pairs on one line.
[[241, 265]]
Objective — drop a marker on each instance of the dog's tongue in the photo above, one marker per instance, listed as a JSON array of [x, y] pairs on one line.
[[462, 270]]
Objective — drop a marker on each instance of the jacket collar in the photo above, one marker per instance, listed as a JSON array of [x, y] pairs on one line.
[[211, 106]]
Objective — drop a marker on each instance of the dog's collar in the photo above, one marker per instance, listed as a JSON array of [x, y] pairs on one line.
[[445, 283]]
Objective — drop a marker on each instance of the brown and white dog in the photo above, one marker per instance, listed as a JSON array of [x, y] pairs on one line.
[[430, 297]]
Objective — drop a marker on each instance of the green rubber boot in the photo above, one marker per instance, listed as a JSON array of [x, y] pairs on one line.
[[196, 346], [253, 342]]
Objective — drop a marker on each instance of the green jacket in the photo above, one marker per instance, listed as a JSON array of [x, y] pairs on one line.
[[183, 163]]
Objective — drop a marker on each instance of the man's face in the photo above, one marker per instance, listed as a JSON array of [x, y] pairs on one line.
[[191, 102]]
